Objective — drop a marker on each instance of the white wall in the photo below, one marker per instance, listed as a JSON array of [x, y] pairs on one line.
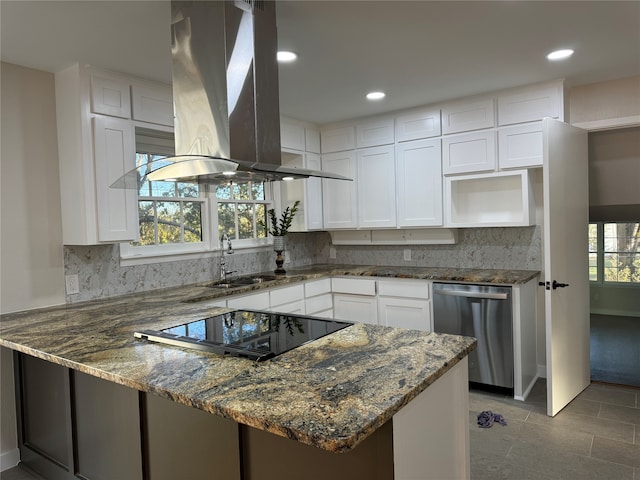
[[31, 260], [609, 104]]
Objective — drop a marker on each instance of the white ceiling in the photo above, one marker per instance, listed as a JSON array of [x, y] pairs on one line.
[[419, 52]]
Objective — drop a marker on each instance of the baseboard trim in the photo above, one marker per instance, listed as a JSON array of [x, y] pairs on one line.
[[614, 313], [9, 459]]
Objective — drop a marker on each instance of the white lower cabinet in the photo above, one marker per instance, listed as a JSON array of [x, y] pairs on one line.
[[255, 301], [404, 303], [405, 313], [355, 308]]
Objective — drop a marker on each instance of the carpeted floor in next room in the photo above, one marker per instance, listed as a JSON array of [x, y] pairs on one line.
[[615, 349]]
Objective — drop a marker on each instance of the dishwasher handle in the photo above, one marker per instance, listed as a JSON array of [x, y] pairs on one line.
[[461, 293]]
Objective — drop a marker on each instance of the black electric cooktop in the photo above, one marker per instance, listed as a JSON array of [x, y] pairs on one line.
[[246, 333]]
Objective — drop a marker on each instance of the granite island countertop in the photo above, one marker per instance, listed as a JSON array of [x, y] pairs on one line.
[[96, 338], [331, 393]]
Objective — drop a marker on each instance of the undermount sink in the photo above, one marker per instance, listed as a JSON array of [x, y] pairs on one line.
[[241, 281]]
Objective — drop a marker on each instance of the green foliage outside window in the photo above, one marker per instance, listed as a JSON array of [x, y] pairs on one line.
[[614, 252]]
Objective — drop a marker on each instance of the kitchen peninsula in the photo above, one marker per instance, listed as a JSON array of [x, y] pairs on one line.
[[364, 402]]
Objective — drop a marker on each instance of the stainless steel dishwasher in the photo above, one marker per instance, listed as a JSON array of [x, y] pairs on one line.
[[483, 312]]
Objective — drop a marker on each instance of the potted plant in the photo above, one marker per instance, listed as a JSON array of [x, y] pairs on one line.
[[278, 229]]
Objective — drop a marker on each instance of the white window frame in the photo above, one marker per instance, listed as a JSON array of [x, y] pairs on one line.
[[600, 253], [210, 245]]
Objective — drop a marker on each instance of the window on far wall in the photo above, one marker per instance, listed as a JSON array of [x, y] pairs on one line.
[[614, 253], [242, 210]]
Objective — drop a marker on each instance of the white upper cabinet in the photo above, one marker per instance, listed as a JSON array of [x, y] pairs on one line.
[[152, 104], [419, 183], [469, 152], [498, 199], [424, 123], [96, 145], [292, 135], [307, 190], [339, 200], [116, 207], [110, 96], [338, 139], [520, 146], [531, 103], [375, 132], [312, 140], [463, 117], [376, 187]]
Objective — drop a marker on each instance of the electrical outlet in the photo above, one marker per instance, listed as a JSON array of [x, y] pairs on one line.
[[407, 255], [332, 252], [72, 285]]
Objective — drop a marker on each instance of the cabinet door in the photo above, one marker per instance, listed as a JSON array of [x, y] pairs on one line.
[[355, 308], [107, 429], [110, 96], [463, 117], [153, 104], [284, 295], [531, 103], [372, 133], [313, 194], [312, 140], [292, 135], [187, 443], [338, 139], [419, 181], [469, 152], [520, 146], [376, 185], [44, 418], [418, 124], [114, 155], [405, 313], [339, 201]]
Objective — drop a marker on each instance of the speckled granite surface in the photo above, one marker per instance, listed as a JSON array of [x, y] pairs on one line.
[[331, 393]]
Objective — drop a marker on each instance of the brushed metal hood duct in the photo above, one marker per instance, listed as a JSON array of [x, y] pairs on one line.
[[225, 96]]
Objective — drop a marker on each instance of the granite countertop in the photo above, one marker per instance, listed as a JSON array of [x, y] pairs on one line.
[[465, 275], [321, 394], [331, 393]]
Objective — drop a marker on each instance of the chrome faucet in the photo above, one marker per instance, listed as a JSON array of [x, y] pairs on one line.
[[223, 266]]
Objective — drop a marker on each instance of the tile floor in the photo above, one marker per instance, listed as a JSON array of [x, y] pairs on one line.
[[597, 436]]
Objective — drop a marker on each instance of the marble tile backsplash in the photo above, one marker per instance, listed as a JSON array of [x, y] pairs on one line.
[[100, 274]]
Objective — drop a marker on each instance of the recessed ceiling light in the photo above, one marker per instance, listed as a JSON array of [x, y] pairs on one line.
[[228, 174], [560, 54], [375, 95], [286, 57], [287, 179]]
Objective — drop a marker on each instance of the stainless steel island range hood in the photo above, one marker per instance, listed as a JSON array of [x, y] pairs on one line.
[[225, 96]]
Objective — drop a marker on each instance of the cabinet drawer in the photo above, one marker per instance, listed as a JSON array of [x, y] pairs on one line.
[[280, 296], [520, 146], [296, 307], [356, 286], [404, 288], [317, 287], [319, 303], [257, 301], [463, 117], [469, 152]]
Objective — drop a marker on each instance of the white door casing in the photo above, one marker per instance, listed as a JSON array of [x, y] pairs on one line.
[[566, 219]]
